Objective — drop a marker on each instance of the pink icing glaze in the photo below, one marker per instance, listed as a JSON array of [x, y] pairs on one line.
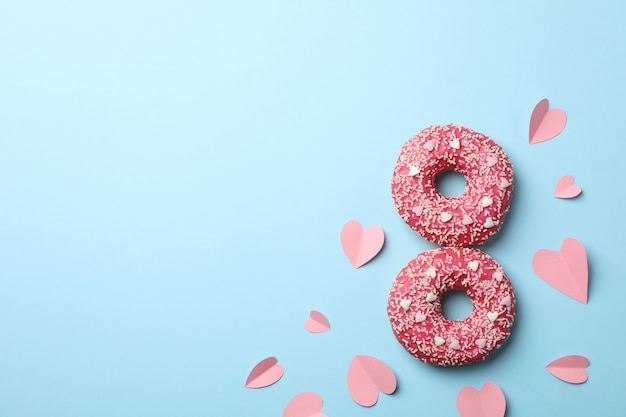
[[425, 332], [454, 221]]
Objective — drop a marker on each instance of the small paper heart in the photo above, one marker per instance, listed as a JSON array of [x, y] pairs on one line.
[[405, 304], [492, 160], [419, 317], [473, 265], [454, 143], [265, 373], [413, 171], [431, 272], [481, 343], [489, 223], [445, 216], [439, 340], [492, 316], [305, 404], [570, 369], [455, 345], [367, 376], [497, 275], [565, 188], [489, 401], [361, 246], [545, 124], [486, 201], [430, 297], [467, 220], [504, 183], [506, 301], [318, 322], [429, 146], [418, 210]]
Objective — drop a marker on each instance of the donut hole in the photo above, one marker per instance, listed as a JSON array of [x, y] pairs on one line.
[[450, 183], [456, 305]]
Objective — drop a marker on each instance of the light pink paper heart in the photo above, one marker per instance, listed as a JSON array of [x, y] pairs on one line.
[[419, 317], [491, 160], [305, 404], [429, 146], [361, 246], [497, 275], [367, 376], [565, 188], [318, 323], [506, 301], [265, 373], [570, 369], [481, 343], [566, 270], [466, 220], [545, 124], [488, 402]]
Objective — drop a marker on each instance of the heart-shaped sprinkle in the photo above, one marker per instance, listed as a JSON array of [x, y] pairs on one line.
[[492, 160], [570, 369], [506, 301], [318, 323], [265, 373], [565, 188], [455, 345], [467, 220], [360, 246], [413, 171], [439, 341], [489, 223], [473, 265], [497, 275], [431, 272], [305, 404], [417, 210], [429, 146], [492, 316], [486, 201], [419, 317], [481, 343], [488, 402], [504, 183], [445, 216], [454, 143], [405, 304], [430, 297], [367, 376], [545, 124]]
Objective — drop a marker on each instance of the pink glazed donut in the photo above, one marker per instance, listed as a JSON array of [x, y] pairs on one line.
[[468, 219], [414, 306]]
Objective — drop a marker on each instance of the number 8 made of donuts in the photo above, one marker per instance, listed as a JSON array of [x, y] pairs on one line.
[[414, 305]]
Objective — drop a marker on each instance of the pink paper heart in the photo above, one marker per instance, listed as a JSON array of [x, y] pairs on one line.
[[497, 275], [361, 246], [570, 369], [488, 402], [305, 404], [318, 323], [455, 345], [429, 146], [481, 343], [265, 373], [565, 188], [506, 301], [418, 210], [566, 270], [491, 160], [504, 183], [419, 317], [367, 376], [467, 220], [545, 124]]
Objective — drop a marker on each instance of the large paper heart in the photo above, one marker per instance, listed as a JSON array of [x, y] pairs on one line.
[[361, 246], [566, 270], [305, 404], [318, 323], [367, 376], [565, 188], [489, 401], [545, 124], [265, 373], [570, 369]]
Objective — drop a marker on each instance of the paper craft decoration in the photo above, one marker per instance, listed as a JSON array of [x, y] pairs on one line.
[[570, 369], [265, 373], [305, 404], [318, 323], [565, 188], [361, 246], [566, 270], [489, 401], [367, 376], [545, 124]]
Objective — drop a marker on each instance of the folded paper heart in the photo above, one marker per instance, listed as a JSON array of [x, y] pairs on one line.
[[566, 269], [565, 188], [569, 369], [367, 376], [318, 323], [489, 401], [361, 246], [545, 124], [305, 404], [265, 373]]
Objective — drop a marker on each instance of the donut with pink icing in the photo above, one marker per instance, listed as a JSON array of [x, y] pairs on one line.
[[468, 219], [414, 306]]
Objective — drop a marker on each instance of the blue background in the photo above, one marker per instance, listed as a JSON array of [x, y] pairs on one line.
[[174, 177]]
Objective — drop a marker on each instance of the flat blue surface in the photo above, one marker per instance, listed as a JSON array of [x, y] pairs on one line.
[[174, 177]]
